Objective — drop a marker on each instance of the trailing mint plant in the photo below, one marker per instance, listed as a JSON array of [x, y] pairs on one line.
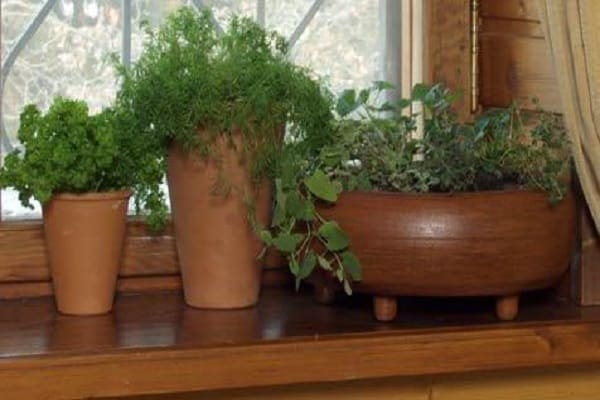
[[67, 150], [192, 85], [299, 230], [373, 148]]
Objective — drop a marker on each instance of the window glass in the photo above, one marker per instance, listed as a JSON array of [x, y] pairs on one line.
[[62, 49]]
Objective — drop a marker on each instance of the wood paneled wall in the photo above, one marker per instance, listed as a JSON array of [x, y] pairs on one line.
[[516, 64], [515, 61]]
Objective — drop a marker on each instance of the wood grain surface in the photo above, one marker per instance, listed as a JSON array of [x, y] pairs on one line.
[[536, 384], [153, 344], [509, 9], [149, 261], [515, 61], [23, 252], [449, 49]]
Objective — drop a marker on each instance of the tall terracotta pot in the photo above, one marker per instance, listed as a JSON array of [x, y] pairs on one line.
[[84, 238], [216, 246]]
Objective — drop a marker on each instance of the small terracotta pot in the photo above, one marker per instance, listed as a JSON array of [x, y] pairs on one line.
[[216, 246], [84, 237]]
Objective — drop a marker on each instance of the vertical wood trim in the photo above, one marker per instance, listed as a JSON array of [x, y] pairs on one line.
[[449, 61], [412, 30], [406, 48], [475, 24], [515, 60], [588, 278], [417, 61]]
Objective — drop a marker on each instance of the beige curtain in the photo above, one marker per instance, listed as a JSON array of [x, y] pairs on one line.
[[573, 33]]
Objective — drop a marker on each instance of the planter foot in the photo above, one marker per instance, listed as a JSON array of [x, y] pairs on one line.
[[507, 307], [385, 308], [324, 294]]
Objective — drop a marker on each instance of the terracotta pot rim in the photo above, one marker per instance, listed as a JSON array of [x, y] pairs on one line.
[[94, 196], [437, 195]]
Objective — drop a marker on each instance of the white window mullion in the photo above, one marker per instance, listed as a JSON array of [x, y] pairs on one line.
[[417, 61], [260, 12], [391, 43], [412, 17], [126, 32]]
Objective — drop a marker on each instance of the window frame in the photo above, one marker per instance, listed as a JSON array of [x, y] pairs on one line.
[[150, 260]]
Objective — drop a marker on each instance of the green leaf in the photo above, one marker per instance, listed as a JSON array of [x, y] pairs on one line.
[[326, 265], [335, 238], [266, 237], [308, 265], [347, 288], [294, 205], [420, 91], [337, 186], [331, 156], [403, 103], [294, 266], [308, 212], [352, 265], [287, 242], [346, 102], [321, 186], [279, 213], [362, 181], [363, 96], [299, 208], [383, 85]]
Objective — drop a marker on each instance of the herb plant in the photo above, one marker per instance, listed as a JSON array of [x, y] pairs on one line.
[[373, 148], [67, 150], [192, 85]]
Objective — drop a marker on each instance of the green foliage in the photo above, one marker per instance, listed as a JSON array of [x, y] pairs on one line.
[[501, 148], [192, 85], [299, 230], [69, 151], [373, 149]]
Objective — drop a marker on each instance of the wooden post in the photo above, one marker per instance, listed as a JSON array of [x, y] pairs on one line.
[[449, 54], [589, 269]]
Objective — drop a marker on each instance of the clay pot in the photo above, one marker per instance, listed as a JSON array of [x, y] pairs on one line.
[[216, 246], [469, 244], [84, 238]]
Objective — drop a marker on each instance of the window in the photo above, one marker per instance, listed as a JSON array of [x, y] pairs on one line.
[[54, 47]]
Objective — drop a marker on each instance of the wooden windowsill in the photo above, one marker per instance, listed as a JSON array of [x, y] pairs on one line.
[[152, 343]]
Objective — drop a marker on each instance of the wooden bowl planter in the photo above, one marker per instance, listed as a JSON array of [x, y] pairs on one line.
[[84, 237], [216, 247], [470, 244]]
